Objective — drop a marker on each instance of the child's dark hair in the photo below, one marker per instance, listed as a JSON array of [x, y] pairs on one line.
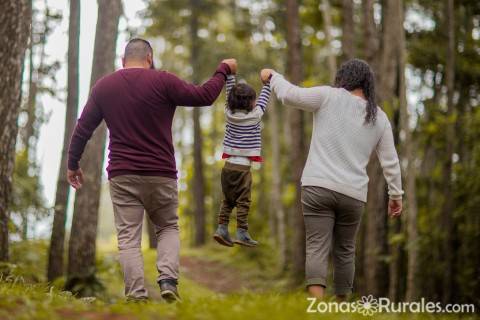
[[241, 97], [357, 74]]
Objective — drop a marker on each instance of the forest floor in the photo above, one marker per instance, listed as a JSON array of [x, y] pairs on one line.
[[214, 285]]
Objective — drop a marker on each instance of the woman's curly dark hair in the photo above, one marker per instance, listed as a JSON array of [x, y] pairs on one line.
[[241, 97], [357, 74]]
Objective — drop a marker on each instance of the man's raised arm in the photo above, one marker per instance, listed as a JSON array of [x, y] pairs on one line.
[[182, 93]]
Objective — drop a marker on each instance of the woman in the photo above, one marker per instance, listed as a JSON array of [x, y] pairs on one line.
[[347, 127]]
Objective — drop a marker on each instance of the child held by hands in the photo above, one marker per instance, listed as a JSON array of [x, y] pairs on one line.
[[242, 145]]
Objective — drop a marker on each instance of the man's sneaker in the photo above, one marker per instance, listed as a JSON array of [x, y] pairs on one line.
[[244, 239], [222, 236], [168, 290]]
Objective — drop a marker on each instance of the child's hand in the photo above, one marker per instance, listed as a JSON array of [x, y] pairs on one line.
[[232, 63], [265, 75]]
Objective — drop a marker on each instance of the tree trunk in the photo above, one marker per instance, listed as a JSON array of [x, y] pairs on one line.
[[376, 270], [327, 26], [365, 233], [402, 126], [35, 80], [370, 37], [376, 231], [276, 193], [294, 65], [388, 62], [215, 175], [81, 258], [348, 31], [408, 152], [395, 226], [57, 240], [27, 131], [15, 17], [448, 203], [198, 175]]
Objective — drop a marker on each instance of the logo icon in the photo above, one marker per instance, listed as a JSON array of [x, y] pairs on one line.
[[367, 306]]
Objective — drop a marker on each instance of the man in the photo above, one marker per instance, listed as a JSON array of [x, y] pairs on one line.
[[138, 104]]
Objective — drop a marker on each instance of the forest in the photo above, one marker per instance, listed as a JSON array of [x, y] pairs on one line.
[[426, 58]]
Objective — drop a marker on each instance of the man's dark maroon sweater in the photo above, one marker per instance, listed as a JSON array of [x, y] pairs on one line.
[[138, 107]]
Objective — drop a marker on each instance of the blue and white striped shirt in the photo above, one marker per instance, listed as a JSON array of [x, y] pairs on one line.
[[243, 129]]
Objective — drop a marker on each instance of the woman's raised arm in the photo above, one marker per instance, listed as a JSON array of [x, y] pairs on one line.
[[308, 99]]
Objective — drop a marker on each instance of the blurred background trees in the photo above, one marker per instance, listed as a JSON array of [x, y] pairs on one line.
[[426, 58], [57, 239], [83, 234]]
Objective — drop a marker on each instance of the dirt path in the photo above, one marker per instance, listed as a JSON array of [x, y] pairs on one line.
[[210, 274], [213, 275]]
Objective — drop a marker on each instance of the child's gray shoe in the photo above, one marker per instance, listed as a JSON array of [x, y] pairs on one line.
[[222, 236], [244, 239]]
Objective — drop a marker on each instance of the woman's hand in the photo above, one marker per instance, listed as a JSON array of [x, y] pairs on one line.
[[265, 75], [395, 208]]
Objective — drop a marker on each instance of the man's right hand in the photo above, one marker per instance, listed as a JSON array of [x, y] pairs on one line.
[[232, 63], [75, 178], [395, 208]]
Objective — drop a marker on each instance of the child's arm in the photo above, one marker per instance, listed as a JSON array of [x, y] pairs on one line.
[[231, 79], [264, 96]]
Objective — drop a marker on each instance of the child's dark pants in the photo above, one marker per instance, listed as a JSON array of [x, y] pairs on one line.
[[236, 187]]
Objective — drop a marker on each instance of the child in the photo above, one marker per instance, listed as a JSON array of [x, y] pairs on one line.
[[241, 147]]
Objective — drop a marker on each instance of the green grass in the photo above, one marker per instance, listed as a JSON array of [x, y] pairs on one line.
[[255, 264], [23, 301], [21, 298]]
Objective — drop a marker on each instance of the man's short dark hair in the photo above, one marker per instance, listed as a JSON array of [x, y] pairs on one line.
[[137, 49]]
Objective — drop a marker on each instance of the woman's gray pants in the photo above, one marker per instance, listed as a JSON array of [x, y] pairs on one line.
[[331, 224]]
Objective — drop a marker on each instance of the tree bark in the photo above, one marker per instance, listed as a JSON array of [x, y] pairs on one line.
[[366, 228], [448, 204], [327, 26], [276, 194], [408, 152], [198, 175], [27, 132], [348, 31], [294, 65], [402, 126], [35, 80], [370, 37], [15, 17], [376, 242], [81, 257], [376, 270], [57, 240]]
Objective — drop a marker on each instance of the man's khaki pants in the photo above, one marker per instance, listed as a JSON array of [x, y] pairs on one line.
[[131, 196]]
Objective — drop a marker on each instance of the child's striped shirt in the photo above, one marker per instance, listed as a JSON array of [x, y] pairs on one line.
[[243, 129]]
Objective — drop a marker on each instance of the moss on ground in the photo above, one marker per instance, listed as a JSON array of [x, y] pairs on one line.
[[22, 298]]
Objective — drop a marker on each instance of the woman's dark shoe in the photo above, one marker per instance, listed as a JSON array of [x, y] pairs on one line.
[[222, 236], [244, 239], [168, 290]]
